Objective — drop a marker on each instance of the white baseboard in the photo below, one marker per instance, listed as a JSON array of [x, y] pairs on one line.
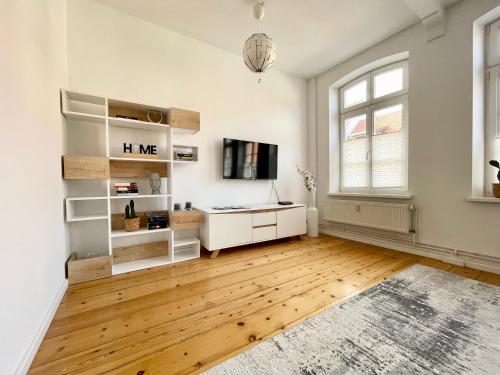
[[28, 357], [481, 263]]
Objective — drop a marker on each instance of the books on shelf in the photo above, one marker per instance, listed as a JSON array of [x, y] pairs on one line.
[[184, 156], [126, 188]]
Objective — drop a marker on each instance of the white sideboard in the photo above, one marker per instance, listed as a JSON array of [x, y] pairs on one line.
[[221, 229]]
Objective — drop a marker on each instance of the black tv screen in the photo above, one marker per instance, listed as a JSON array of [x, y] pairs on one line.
[[249, 160]]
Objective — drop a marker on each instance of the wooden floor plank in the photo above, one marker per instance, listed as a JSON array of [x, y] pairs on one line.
[[211, 317], [489, 277], [435, 263], [167, 319], [235, 272], [138, 278], [80, 339], [465, 272], [241, 334]]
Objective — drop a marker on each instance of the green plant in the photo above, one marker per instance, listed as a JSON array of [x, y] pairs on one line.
[[130, 211], [496, 164], [132, 208]]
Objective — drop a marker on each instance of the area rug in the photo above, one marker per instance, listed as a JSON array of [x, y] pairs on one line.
[[421, 321]]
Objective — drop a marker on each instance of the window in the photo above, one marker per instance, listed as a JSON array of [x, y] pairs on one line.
[[492, 128], [373, 131]]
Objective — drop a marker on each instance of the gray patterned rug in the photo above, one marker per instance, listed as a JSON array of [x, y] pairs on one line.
[[422, 321]]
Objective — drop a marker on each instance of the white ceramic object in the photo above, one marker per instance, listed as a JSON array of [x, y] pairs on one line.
[[312, 222]]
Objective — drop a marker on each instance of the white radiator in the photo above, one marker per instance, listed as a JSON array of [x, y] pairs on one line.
[[393, 217]]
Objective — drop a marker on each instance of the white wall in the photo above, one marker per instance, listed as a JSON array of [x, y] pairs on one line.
[[33, 251], [116, 55], [440, 130]]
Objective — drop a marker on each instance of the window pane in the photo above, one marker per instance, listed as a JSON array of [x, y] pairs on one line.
[[354, 153], [355, 95], [388, 120], [388, 147], [497, 149], [388, 82]]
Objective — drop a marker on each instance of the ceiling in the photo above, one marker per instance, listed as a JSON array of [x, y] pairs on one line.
[[310, 35]]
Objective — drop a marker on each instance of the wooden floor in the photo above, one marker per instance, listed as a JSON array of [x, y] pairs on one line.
[[188, 317]]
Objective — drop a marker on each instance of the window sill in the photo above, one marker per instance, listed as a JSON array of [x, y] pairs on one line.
[[368, 195], [483, 199]]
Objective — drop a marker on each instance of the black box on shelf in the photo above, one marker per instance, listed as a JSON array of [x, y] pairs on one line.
[[157, 221]]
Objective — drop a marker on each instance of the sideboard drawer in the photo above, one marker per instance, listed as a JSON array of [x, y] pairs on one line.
[[264, 218], [264, 233]]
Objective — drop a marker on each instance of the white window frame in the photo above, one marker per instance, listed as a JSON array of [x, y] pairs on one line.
[[369, 107], [492, 88], [365, 77]]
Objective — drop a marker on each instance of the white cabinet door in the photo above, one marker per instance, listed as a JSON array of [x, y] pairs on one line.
[[228, 230], [291, 222]]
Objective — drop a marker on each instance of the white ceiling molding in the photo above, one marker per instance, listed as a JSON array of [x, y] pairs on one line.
[[432, 15]]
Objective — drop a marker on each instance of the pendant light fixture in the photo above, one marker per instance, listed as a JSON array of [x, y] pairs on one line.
[[259, 52]]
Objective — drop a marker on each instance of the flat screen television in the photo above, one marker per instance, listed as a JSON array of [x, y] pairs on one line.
[[247, 160]]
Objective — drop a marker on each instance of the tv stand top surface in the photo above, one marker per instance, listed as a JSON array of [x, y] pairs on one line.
[[249, 208]]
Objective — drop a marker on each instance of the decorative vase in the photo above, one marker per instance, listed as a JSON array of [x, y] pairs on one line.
[[496, 190], [155, 183], [131, 225], [312, 218]]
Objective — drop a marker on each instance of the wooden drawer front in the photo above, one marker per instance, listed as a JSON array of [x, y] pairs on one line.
[[264, 218], [77, 167], [136, 169], [81, 270], [185, 219], [264, 233], [138, 252], [182, 118]]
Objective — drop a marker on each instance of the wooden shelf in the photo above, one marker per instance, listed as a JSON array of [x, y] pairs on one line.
[[140, 196], [136, 124], [124, 233], [140, 264]]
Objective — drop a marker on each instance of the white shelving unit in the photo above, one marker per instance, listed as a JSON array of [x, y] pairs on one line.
[[136, 124], [90, 113], [141, 264], [140, 196], [140, 232], [119, 158]]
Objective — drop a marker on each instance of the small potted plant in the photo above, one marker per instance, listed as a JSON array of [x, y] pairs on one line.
[[132, 221], [496, 186]]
